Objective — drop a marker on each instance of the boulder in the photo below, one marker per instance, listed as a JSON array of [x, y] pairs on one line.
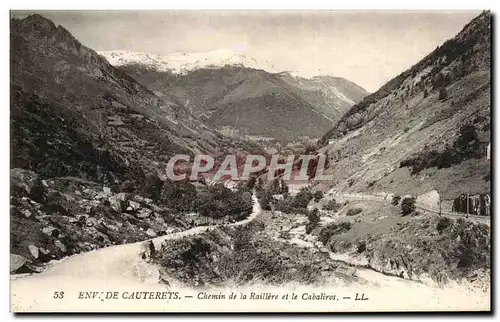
[[170, 230], [106, 190], [89, 209], [159, 218], [91, 222], [60, 245], [111, 227], [100, 195], [134, 206], [155, 208], [50, 231], [34, 251], [89, 192], [144, 213], [138, 199], [151, 233], [26, 213], [16, 262], [115, 120], [122, 196], [116, 203]]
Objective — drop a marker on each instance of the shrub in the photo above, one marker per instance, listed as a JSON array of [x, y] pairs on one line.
[[467, 143], [318, 195], [284, 188], [333, 229], [251, 182], [396, 200], [218, 202], [331, 205], [180, 196], [354, 211], [408, 206], [466, 146], [442, 224], [152, 187], [38, 192], [361, 247], [265, 198], [274, 188], [314, 218], [285, 205], [443, 93], [301, 200]]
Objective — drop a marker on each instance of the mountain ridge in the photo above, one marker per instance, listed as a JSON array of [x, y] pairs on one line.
[[206, 92], [106, 106], [427, 129], [182, 62]]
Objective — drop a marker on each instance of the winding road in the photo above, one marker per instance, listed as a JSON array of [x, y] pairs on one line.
[[104, 280], [110, 268]]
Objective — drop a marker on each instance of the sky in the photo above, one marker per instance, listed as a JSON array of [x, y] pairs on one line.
[[366, 47]]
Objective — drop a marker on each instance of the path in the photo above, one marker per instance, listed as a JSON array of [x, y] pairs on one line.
[[110, 268], [387, 198]]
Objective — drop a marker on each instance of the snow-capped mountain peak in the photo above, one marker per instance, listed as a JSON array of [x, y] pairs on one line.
[[181, 62]]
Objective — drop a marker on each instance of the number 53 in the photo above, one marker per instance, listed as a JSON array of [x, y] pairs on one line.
[[58, 295]]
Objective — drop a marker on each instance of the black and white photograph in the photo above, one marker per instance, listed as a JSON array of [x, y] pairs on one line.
[[250, 161]]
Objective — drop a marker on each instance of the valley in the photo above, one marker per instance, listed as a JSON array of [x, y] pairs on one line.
[[94, 206]]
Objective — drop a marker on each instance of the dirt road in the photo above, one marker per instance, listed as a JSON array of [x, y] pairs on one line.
[[110, 268], [387, 198]]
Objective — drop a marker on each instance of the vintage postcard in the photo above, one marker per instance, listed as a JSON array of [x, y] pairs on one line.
[[250, 161]]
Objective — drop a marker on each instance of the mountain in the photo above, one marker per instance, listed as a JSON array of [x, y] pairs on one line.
[[252, 102], [181, 63], [426, 129], [69, 105], [330, 96], [89, 148]]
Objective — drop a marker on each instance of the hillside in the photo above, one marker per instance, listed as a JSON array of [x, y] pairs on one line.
[[426, 129], [245, 101], [330, 96], [89, 145]]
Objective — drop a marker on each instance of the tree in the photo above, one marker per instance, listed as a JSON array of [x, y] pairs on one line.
[[314, 218], [443, 93], [265, 199], [408, 206], [284, 188], [275, 187], [302, 198], [426, 93], [251, 182], [332, 205]]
